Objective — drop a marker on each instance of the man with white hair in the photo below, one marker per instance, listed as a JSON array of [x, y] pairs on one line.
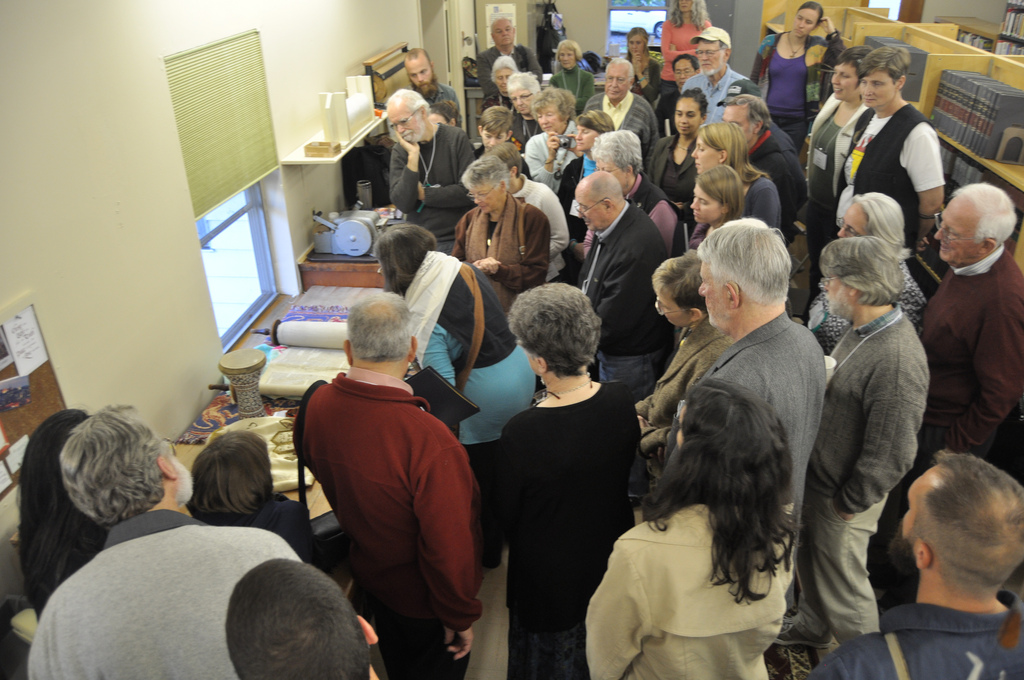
[[400, 483], [745, 274], [866, 441], [626, 111], [152, 603], [426, 168], [504, 35], [973, 326], [716, 79]]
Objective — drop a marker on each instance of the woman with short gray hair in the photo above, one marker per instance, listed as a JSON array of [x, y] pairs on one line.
[[548, 152], [563, 467], [504, 237], [871, 214], [502, 69], [619, 153], [522, 88]]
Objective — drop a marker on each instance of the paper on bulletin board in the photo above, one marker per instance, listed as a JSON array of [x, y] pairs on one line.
[[25, 341], [495, 12], [6, 358]]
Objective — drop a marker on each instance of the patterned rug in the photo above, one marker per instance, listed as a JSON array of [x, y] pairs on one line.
[[221, 412], [333, 313], [790, 663]]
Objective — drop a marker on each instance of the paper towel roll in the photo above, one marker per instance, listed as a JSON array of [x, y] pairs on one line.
[[360, 110], [324, 335]]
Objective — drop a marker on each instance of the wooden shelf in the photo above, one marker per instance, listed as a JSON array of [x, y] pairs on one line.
[[986, 29], [299, 157], [1014, 174]]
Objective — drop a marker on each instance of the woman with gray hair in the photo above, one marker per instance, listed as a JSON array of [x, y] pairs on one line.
[[504, 237], [571, 77], [562, 474], [871, 214], [619, 153], [548, 152], [522, 87], [501, 71], [686, 20]]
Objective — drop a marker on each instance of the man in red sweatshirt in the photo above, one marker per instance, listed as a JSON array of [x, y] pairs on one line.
[[973, 327], [401, 486]]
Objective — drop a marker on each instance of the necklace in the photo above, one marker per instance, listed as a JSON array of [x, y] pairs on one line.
[[426, 173], [794, 51], [557, 395], [856, 347]]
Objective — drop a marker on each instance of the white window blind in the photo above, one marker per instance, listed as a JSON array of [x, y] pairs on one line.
[[222, 110]]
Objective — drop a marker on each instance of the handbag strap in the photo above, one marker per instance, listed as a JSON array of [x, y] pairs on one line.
[[297, 428], [469, 276], [520, 216], [898, 660]]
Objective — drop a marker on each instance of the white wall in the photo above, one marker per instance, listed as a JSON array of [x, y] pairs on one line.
[[987, 10], [95, 219]]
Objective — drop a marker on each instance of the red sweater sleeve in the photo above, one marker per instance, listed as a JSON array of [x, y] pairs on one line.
[[447, 505]]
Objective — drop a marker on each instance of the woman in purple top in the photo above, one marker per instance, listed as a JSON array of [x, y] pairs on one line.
[[790, 67]]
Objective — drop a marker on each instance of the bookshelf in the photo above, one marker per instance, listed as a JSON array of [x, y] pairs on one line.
[[1011, 35], [974, 31]]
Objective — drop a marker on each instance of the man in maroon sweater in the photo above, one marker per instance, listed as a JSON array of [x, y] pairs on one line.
[[401, 486], [973, 327]]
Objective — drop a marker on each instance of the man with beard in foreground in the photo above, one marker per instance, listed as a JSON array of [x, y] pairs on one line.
[[152, 603], [964, 536], [427, 167]]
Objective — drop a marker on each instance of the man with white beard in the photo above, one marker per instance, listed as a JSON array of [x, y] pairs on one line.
[[427, 167], [866, 442], [153, 602]]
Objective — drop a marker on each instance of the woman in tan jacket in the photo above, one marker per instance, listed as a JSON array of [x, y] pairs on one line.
[[677, 285], [698, 590], [504, 237]]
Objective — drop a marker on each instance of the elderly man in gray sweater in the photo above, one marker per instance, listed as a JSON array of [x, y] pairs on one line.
[[745, 274], [152, 603], [628, 112], [866, 443]]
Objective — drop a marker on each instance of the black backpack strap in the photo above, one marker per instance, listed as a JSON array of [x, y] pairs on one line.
[[297, 428]]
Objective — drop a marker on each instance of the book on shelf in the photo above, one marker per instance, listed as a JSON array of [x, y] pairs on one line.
[[976, 111]]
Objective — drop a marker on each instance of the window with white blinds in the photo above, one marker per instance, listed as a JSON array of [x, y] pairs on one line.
[[222, 110]]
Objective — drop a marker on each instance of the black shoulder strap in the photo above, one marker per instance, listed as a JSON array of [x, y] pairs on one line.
[[297, 428], [860, 126]]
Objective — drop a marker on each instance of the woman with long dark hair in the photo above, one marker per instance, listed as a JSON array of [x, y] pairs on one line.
[[701, 584], [790, 69], [56, 539]]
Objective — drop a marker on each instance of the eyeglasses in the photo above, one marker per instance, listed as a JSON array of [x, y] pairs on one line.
[[665, 312], [521, 98], [824, 281], [404, 122], [480, 197], [706, 53], [584, 209], [617, 81], [843, 226], [949, 235]]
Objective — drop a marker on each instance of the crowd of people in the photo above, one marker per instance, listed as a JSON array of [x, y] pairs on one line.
[[627, 252]]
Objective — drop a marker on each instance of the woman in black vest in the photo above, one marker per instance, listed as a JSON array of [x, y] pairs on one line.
[[895, 148]]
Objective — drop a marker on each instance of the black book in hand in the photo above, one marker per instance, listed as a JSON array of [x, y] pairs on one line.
[[447, 404]]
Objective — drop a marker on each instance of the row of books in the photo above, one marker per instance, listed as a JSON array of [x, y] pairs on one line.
[[976, 110], [959, 169], [975, 40], [1013, 24], [1008, 47]]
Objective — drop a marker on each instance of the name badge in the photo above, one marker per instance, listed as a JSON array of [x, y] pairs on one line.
[[574, 209], [820, 159]]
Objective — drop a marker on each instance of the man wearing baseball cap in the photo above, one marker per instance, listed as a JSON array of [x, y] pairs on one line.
[[716, 80]]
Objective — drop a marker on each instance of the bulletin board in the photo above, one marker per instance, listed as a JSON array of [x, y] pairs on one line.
[[29, 392]]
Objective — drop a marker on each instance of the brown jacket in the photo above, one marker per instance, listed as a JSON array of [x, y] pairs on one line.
[[700, 350], [524, 264]]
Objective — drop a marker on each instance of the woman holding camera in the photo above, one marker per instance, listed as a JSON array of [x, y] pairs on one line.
[[548, 153]]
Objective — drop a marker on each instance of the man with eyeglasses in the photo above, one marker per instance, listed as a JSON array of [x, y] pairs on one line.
[[973, 327], [616, 276], [716, 79], [427, 167], [626, 111]]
